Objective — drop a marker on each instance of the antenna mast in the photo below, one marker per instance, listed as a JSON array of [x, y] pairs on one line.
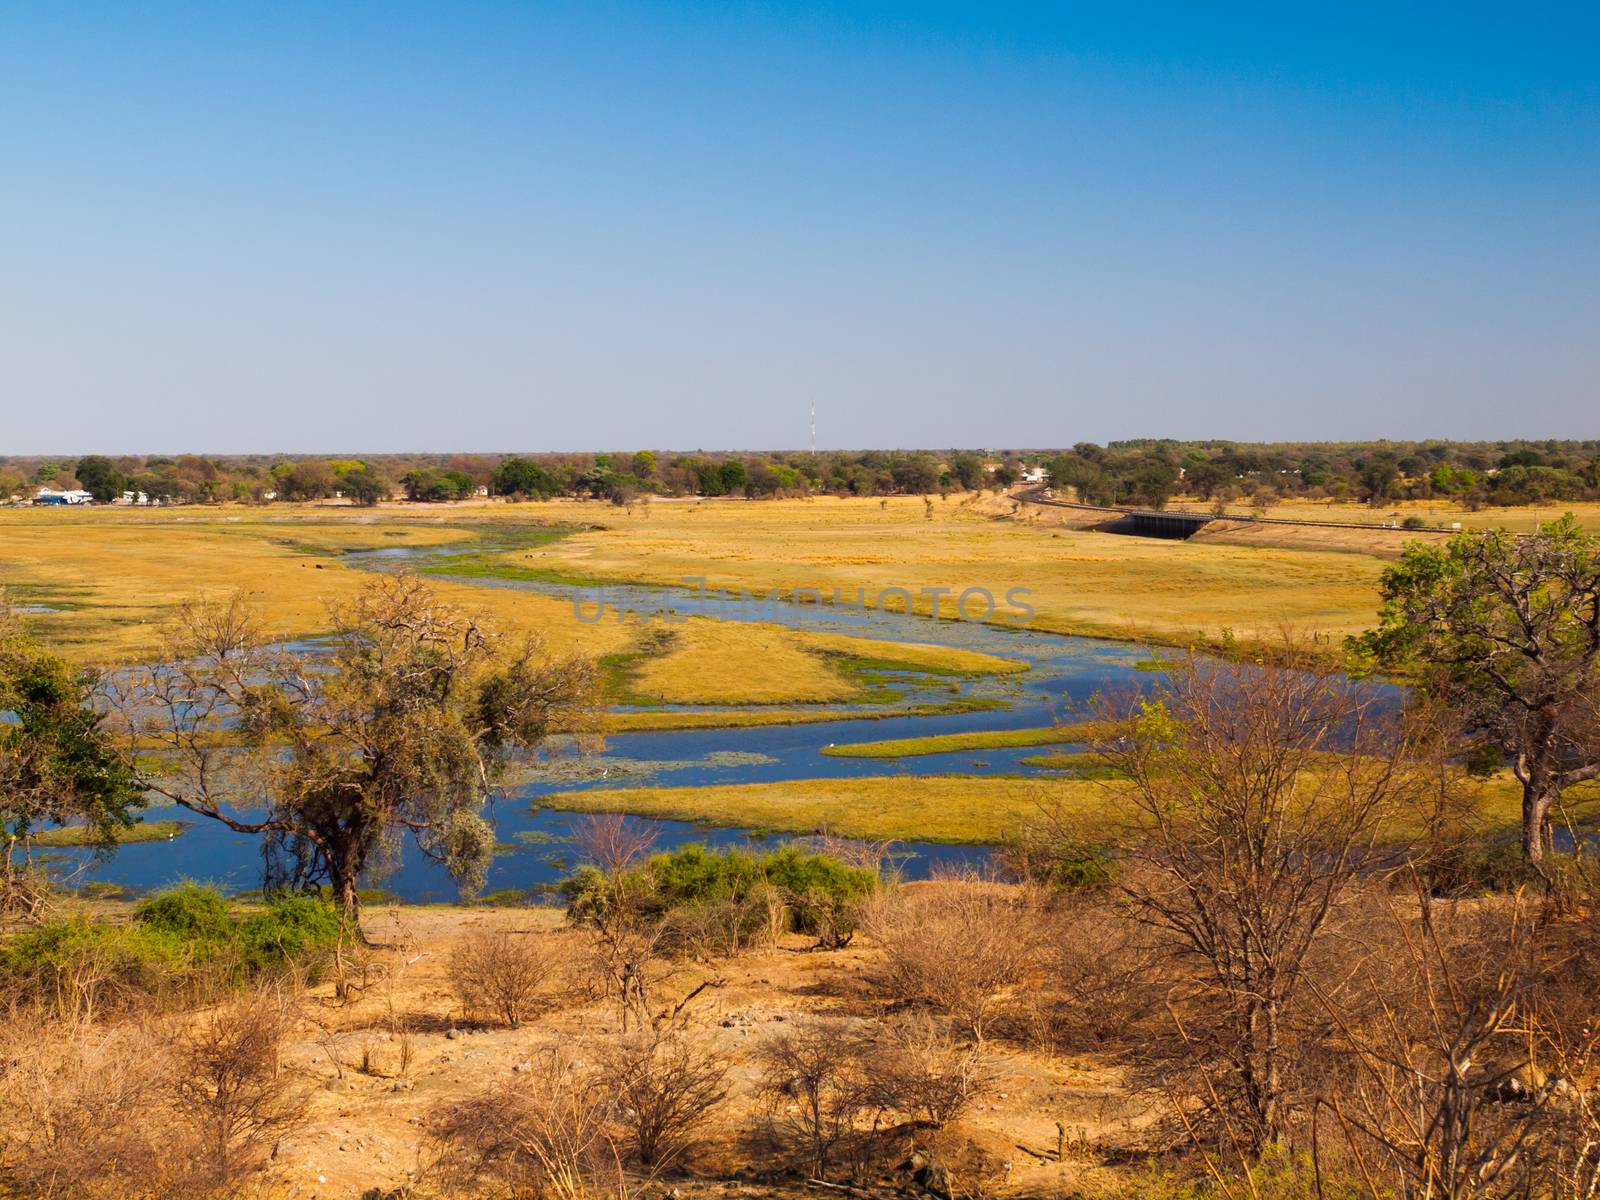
[[813, 429]]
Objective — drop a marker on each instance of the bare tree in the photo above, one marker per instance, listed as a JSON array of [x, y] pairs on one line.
[[628, 938], [401, 730], [1255, 796]]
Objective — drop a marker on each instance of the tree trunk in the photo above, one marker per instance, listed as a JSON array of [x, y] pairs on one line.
[[346, 878], [1535, 815]]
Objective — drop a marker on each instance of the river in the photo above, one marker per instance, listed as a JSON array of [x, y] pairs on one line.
[[1064, 673]]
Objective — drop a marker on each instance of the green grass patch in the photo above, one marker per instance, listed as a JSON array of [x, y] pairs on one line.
[[927, 808], [142, 831], [946, 743], [664, 719]]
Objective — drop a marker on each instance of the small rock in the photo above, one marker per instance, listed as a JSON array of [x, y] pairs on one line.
[[402, 1085], [452, 1033]]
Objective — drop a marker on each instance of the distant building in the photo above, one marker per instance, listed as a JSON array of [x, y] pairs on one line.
[[132, 498], [53, 496], [1033, 475]]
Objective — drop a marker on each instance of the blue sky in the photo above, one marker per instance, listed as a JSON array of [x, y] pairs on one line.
[[479, 226]]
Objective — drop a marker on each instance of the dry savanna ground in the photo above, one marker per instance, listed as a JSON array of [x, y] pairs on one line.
[[371, 1068]]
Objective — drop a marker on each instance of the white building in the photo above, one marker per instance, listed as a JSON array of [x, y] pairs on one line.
[[54, 496]]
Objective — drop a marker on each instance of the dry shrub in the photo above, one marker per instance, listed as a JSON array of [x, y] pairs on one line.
[[504, 973], [85, 1112], [957, 945], [82, 1112], [230, 1091], [548, 1132], [664, 1089], [1103, 971], [148, 1108], [1463, 1050], [917, 1067], [816, 1088], [713, 929]]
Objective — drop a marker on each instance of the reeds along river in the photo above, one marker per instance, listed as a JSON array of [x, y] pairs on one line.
[[535, 850]]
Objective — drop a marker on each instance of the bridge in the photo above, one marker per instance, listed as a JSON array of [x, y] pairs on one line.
[[1151, 523], [1142, 522]]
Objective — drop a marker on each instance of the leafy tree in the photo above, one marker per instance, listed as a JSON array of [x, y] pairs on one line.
[[430, 486], [58, 764], [708, 479], [1506, 629], [402, 730], [732, 476], [365, 484], [915, 474], [1380, 475], [309, 480], [967, 470], [99, 476], [643, 465], [519, 477]]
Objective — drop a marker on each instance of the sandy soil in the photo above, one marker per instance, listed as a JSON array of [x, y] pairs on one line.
[[367, 1125]]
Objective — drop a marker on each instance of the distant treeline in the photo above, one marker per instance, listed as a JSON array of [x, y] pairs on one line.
[[1475, 474], [1148, 472], [621, 477]]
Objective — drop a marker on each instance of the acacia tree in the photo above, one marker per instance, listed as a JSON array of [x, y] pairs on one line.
[[1506, 630], [401, 730], [1256, 794], [58, 762]]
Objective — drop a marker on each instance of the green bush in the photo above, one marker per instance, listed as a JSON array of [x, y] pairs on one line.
[[190, 913], [68, 957], [189, 936], [295, 929], [818, 890]]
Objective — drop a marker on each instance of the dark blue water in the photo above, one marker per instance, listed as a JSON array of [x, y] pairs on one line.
[[1063, 674]]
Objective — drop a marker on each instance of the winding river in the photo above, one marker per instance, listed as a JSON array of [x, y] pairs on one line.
[[1064, 673]]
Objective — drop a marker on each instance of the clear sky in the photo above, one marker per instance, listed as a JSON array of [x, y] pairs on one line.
[[479, 226]]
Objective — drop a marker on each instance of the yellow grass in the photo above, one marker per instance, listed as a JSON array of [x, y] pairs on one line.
[[1079, 582], [945, 743], [941, 808], [923, 808], [120, 574]]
